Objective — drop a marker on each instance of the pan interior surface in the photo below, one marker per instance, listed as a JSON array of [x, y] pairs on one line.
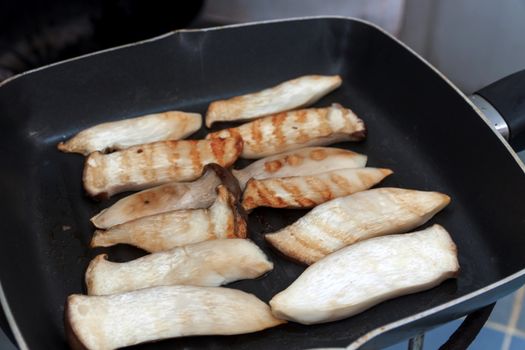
[[417, 125]]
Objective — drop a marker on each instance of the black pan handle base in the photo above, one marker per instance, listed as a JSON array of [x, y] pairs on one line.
[[468, 330], [507, 97]]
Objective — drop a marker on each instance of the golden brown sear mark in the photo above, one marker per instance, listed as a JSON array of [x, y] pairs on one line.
[[324, 127], [318, 154], [320, 187], [277, 122], [300, 116], [217, 148], [273, 166], [256, 135], [341, 182], [195, 156], [294, 160], [148, 156]]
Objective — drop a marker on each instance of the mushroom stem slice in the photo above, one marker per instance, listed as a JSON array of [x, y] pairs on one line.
[[171, 125], [208, 264], [359, 216], [118, 320], [367, 273], [309, 191], [296, 129], [291, 94], [153, 164], [305, 161], [224, 219], [171, 196]]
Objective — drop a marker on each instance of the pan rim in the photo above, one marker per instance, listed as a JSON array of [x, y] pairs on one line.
[[19, 338], [291, 19]]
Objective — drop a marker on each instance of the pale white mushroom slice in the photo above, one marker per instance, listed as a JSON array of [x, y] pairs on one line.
[[208, 264], [113, 321], [287, 131], [303, 161], [367, 273], [171, 196], [153, 164], [155, 233], [359, 216], [309, 191], [291, 94], [171, 125]]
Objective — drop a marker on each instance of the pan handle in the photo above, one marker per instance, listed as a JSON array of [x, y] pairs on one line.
[[503, 103], [468, 330]]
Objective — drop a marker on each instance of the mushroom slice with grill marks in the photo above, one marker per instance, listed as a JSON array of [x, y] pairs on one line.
[[291, 94], [153, 164], [296, 129], [118, 320], [210, 263], [360, 276], [172, 125], [224, 219], [309, 191], [304, 161], [171, 196], [359, 216]]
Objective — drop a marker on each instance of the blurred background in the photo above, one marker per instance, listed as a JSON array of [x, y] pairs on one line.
[[473, 42]]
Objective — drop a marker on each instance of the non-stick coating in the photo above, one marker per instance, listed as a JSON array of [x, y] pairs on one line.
[[418, 126]]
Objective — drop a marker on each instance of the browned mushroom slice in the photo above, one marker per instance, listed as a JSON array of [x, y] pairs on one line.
[[209, 264], [359, 216], [309, 191], [118, 320], [304, 161], [153, 164], [172, 125], [291, 94], [296, 129], [360, 276], [224, 219], [171, 196]]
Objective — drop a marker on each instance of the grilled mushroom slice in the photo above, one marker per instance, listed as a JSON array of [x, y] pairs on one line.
[[153, 164], [114, 321], [291, 94], [171, 125], [224, 219], [360, 276], [171, 196], [208, 264], [309, 191], [359, 216], [296, 129], [305, 161]]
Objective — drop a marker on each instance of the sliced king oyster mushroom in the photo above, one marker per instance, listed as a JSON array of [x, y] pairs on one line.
[[114, 321], [291, 94], [296, 129], [224, 219], [171, 196], [359, 216], [200, 193], [304, 161], [309, 191], [153, 164], [367, 273], [171, 125], [208, 264]]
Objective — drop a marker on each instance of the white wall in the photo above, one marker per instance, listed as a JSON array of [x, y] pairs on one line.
[[473, 42]]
